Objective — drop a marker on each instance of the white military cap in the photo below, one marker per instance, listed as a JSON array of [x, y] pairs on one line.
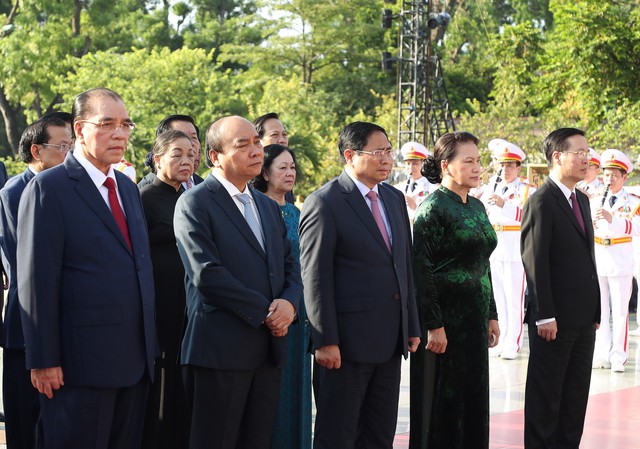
[[503, 151], [616, 159], [594, 157], [414, 150]]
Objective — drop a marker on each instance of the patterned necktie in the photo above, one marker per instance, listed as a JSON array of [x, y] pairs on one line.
[[576, 211], [116, 210], [377, 216], [612, 200], [250, 216], [189, 184]]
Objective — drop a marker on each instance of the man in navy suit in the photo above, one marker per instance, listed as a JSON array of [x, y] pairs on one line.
[[44, 144], [85, 287], [243, 287], [355, 243], [564, 294]]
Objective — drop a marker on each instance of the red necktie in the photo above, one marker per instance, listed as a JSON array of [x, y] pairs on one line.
[[116, 210], [576, 211], [377, 216]]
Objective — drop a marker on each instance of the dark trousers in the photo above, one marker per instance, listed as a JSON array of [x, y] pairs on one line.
[[357, 405], [21, 401], [166, 424], [231, 409], [557, 390], [93, 418]]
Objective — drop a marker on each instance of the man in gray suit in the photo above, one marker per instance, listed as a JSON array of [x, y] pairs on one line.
[[243, 287], [356, 266]]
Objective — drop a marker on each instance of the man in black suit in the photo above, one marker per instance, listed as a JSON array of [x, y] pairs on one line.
[[355, 242], [564, 311], [85, 286], [243, 287], [44, 144]]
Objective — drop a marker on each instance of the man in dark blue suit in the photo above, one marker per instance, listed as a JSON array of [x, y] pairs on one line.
[[355, 244], [243, 286], [85, 286], [44, 144]]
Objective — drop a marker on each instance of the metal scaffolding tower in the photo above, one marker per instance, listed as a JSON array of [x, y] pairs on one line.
[[423, 106]]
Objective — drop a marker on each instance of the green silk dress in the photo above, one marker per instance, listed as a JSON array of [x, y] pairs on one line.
[[450, 391]]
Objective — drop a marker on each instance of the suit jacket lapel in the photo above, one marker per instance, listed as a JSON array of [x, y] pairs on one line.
[[393, 212], [129, 198], [227, 204], [359, 205], [566, 208], [583, 201], [87, 190]]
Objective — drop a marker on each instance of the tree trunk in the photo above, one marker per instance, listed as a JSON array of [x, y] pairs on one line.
[[10, 122]]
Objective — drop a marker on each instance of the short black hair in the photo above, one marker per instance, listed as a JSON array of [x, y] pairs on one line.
[[355, 136], [259, 122], [270, 153], [65, 116], [557, 141], [36, 134], [165, 123]]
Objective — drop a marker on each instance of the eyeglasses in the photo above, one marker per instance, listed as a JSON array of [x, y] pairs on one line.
[[63, 148], [112, 127], [580, 154], [379, 154]]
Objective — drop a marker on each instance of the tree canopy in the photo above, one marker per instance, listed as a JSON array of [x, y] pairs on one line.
[[514, 69]]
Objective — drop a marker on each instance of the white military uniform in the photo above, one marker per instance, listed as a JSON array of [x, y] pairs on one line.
[[417, 189], [595, 187], [507, 271], [615, 264], [127, 168]]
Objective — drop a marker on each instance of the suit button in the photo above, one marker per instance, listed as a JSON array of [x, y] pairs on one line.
[[396, 296], [271, 275], [594, 277]]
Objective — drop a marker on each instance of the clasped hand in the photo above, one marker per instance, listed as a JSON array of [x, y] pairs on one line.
[[281, 315]]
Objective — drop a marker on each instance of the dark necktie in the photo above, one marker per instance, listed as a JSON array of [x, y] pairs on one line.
[[116, 210], [377, 216], [612, 200], [576, 211]]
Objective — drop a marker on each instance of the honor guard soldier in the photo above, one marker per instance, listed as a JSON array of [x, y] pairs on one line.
[[127, 168], [591, 185], [504, 198], [617, 219], [416, 188]]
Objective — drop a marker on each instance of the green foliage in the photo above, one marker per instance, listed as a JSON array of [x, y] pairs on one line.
[[14, 165], [155, 84], [515, 69]]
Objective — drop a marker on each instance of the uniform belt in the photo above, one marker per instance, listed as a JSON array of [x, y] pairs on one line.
[[500, 228], [609, 242]]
